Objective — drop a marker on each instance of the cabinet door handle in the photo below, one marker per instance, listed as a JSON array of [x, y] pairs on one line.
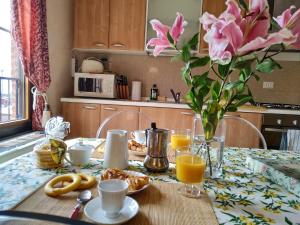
[[100, 45], [119, 45], [89, 107], [276, 130], [187, 113], [110, 109]]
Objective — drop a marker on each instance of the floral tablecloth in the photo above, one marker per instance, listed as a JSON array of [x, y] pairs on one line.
[[239, 197]]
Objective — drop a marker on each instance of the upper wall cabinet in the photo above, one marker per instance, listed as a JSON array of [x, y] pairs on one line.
[[165, 11], [91, 23], [127, 24], [114, 24]]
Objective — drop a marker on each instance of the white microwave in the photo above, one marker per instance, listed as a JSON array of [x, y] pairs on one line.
[[95, 85]]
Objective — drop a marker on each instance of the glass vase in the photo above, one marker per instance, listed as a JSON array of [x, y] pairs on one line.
[[212, 149]]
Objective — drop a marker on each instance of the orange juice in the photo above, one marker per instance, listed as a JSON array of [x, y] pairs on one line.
[[180, 141], [189, 169]]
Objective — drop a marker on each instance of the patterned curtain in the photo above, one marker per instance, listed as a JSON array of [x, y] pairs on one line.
[[29, 30]]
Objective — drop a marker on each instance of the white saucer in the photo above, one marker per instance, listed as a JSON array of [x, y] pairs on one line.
[[94, 212]]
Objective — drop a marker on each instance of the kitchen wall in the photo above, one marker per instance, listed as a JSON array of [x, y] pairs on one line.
[[166, 75], [60, 39]]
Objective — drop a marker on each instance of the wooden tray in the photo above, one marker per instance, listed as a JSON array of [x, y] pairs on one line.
[[160, 204]]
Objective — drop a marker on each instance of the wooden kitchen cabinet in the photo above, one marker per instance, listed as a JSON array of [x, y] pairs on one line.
[[238, 134], [91, 23], [167, 118], [84, 119], [114, 24], [127, 24], [126, 121]]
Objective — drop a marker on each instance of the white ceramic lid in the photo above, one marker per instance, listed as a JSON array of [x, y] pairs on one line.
[[81, 146]]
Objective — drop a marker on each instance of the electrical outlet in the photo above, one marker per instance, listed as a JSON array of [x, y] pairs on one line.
[[268, 85]]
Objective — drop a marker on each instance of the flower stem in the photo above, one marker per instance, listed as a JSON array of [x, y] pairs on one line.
[[209, 159]]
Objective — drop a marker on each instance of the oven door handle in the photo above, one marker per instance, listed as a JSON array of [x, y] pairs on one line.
[[276, 130]]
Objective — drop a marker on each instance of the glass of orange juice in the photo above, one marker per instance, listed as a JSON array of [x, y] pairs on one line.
[[190, 168], [180, 139]]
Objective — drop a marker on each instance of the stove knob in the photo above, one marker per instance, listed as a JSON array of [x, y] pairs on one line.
[[279, 121], [295, 122]]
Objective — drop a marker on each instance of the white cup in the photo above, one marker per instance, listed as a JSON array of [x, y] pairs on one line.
[[112, 195], [139, 136]]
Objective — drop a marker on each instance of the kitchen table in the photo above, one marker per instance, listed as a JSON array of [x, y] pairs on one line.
[[238, 197]]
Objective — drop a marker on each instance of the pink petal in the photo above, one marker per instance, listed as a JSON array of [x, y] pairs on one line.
[[158, 49], [233, 12], [178, 27], [207, 20], [156, 41], [158, 44], [233, 34], [294, 22], [258, 6], [161, 29], [284, 18], [260, 29], [283, 36]]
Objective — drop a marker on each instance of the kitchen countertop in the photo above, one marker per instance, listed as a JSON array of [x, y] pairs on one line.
[[170, 104]]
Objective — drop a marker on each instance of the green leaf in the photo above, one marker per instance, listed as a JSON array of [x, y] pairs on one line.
[[224, 69], [194, 41], [231, 108], [200, 62], [267, 66], [200, 80], [185, 72], [232, 85], [170, 39], [186, 53], [288, 221], [243, 5], [243, 101], [216, 90]]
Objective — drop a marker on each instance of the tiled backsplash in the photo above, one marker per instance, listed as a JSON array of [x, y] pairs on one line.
[[166, 75]]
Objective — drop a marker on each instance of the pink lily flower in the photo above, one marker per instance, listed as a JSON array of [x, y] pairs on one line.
[[161, 42], [291, 22], [257, 22], [178, 27], [283, 36]]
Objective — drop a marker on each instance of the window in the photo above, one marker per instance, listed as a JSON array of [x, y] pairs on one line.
[[13, 85]]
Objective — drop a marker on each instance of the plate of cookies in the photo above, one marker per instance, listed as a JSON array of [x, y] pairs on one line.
[[137, 148], [136, 181]]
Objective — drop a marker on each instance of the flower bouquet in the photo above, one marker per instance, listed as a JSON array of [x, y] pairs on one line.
[[239, 42]]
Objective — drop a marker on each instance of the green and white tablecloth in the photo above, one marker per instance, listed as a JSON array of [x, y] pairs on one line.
[[239, 197]]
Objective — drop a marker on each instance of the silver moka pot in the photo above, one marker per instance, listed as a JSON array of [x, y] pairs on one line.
[[157, 142]]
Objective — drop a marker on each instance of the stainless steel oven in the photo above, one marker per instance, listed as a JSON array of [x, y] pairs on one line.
[[276, 128]]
